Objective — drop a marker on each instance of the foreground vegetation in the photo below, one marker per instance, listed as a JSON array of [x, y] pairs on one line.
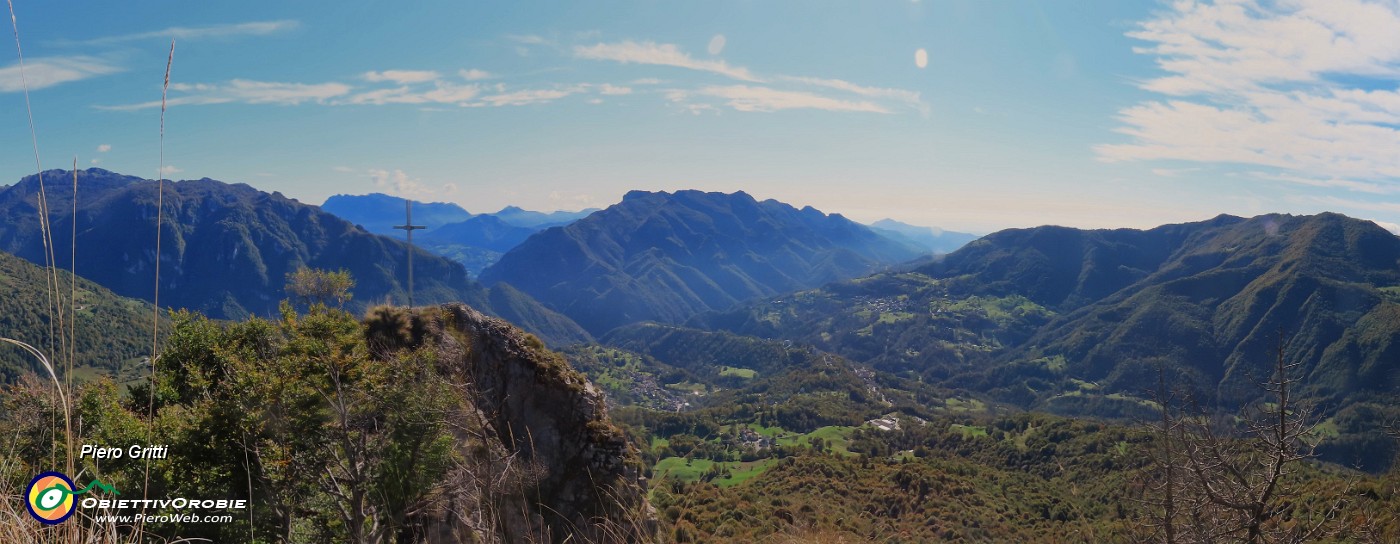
[[332, 430]]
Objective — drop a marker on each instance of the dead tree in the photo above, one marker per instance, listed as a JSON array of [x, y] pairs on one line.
[[1221, 481]]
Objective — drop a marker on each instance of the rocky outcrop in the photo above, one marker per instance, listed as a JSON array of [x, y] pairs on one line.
[[548, 461]]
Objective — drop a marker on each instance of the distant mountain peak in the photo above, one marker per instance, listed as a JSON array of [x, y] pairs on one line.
[[379, 213], [933, 239], [665, 256]]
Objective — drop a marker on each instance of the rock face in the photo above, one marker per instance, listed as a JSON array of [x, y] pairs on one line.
[[545, 429]]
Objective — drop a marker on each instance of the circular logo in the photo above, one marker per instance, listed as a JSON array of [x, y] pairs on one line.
[[50, 498]]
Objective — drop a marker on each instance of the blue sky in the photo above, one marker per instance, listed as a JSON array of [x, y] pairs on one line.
[[967, 115]]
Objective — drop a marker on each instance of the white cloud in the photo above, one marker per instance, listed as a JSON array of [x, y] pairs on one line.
[[49, 71], [399, 183], [170, 169], [475, 75], [256, 28], [528, 39], [1392, 227], [440, 93], [529, 96], [1272, 84], [716, 45], [1367, 205], [561, 200], [1328, 183], [103, 148], [921, 57], [245, 92], [610, 89], [766, 99], [1173, 172], [402, 77], [909, 98], [662, 54]]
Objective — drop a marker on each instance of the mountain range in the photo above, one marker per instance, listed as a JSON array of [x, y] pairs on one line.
[[1052, 318], [660, 256], [741, 340], [1081, 321], [226, 248], [379, 213]]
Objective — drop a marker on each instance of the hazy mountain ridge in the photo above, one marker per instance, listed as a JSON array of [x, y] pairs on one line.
[[930, 239], [379, 213], [483, 231], [476, 241], [666, 256], [519, 217]]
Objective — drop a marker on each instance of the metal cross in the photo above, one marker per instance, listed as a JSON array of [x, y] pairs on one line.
[[410, 227]]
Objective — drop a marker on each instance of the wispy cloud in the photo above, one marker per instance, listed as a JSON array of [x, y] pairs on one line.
[[528, 39], [256, 28], [399, 183], [402, 76], [760, 93], [439, 93], [1367, 205], [529, 96], [244, 91], [662, 54], [1173, 172], [417, 89], [103, 148], [471, 95], [1287, 85], [431, 90], [759, 98], [1329, 183], [475, 74], [911, 99], [610, 89], [49, 71]]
